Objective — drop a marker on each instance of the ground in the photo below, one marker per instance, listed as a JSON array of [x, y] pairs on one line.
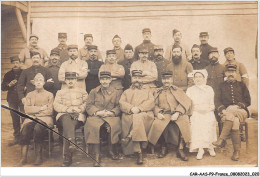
[[11, 155]]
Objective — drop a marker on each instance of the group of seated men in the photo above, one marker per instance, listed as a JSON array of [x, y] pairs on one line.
[[119, 98]]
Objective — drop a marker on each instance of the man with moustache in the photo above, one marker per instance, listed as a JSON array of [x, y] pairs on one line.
[[177, 37], [25, 85], [94, 64], [146, 44], [232, 108], [149, 70], [196, 62], [117, 71], [181, 69], [74, 64], [117, 47], [242, 74], [9, 84], [62, 47], [24, 55], [204, 47], [84, 52], [104, 115], [126, 63], [161, 63]]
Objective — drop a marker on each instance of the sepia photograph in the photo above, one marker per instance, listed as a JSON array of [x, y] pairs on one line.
[[129, 84]]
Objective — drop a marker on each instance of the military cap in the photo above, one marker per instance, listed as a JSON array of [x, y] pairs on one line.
[[62, 35], [73, 46], [128, 47], [32, 53], [104, 74], [175, 31], [146, 30], [90, 47], [136, 73], [158, 47], [116, 36], [87, 35], [230, 67], [33, 35], [176, 46], [14, 58], [55, 51], [166, 74], [38, 76], [204, 34], [228, 49], [110, 52], [143, 50], [213, 49], [70, 75]]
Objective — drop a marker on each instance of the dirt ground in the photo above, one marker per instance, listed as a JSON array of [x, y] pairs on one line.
[[11, 155]]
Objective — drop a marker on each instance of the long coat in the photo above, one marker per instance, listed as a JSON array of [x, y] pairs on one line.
[[139, 124], [92, 80], [168, 102], [98, 100]]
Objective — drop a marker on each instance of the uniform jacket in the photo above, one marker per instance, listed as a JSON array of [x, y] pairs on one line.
[[185, 52], [117, 77], [146, 44], [205, 48], [64, 54], [34, 101], [161, 65], [24, 84], [66, 98], [126, 63], [54, 69], [78, 66], [181, 74], [198, 64], [120, 54], [84, 54], [12, 95]]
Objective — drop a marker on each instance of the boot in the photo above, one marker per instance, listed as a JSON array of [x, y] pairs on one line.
[[163, 152], [180, 154], [227, 126], [139, 158], [24, 152], [38, 150], [67, 160], [97, 160], [236, 141]]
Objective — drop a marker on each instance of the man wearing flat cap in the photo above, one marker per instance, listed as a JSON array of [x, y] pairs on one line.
[[94, 65], [148, 68], [205, 47], [126, 63], [74, 64], [84, 52], [145, 44], [195, 61], [117, 71], [104, 115], [161, 63], [177, 37], [171, 124], [9, 84], [137, 104], [24, 55], [242, 74], [232, 108], [62, 47], [70, 103], [117, 47]]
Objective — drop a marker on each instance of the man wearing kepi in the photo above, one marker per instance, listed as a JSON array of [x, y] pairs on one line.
[[94, 64], [74, 64], [232, 107], [70, 103], [39, 105], [103, 110], [146, 44], [62, 47], [137, 105], [10, 84], [171, 124], [117, 47], [205, 47]]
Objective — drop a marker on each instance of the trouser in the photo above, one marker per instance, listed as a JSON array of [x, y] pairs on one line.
[[162, 141], [236, 116], [33, 130], [16, 118]]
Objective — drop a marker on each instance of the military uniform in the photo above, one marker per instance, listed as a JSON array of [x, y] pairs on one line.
[[119, 54], [62, 48], [84, 54], [205, 48], [126, 63], [198, 64], [185, 52]]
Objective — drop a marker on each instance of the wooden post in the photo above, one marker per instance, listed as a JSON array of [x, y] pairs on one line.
[[28, 22], [21, 22]]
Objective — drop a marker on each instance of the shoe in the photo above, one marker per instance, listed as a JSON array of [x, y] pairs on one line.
[[235, 156], [180, 154], [219, 143], [67, 160], [97, 161], [212, 152], [163, 152], [113, 155], [200, 154], [13, 142], [139, 158]]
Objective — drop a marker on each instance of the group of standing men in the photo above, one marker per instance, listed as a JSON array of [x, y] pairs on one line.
[[135, 98]]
